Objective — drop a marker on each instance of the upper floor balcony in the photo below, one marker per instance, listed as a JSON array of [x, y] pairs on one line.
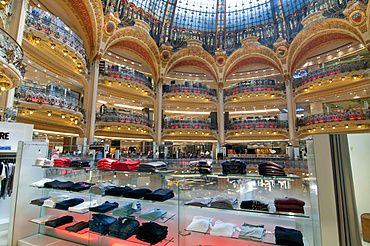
[[125, 73], [196, 124], [335, 67], [195, 88], [54, 27], [350, 115], [51, 94], [120, 116], [257, 123], [11, 57]]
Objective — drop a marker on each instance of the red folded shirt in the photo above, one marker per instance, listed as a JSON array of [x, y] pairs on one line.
[[107, 163], [61, 162], [127, 165]]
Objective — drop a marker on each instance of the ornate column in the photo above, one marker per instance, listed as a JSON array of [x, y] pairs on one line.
[[158, 111], [220, 114], [291, 108], [15, 27], [91, 97]]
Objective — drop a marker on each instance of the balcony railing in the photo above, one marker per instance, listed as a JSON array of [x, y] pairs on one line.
[[322, 118], [125, 73], [11, 51], [335, 67], [255, 124], [254, 86], [188, 89], [124, 118], [188, 124], [47, 94], [53, 26]]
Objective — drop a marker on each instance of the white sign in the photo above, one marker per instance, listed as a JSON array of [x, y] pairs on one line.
[[11, 133]]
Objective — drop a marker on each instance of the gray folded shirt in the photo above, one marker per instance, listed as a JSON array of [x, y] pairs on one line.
[[127, 209], [100, 188], [252, 232], [152, 214], [199, 201], [224, 202]]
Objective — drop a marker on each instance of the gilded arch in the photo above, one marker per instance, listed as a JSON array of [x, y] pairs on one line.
[[316, 35]]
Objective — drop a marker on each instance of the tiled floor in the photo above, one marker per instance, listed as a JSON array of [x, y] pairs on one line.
[[3, 237]]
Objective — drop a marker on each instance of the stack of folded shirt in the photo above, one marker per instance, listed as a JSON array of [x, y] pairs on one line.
[[51, 202], [127, 165], [83, 207], [100, 188], [253, 232], [202, 167], [78, 226], [100, 223], [61, 162], [271, 169], [200, 224], [124, 228], [152, 167], [59, 221], [152, 233], [223, 229], [255, 205], [39, 202], [79, 163], [289, 204], [159, 195], [137, 193], [42, 162], [224, 202], [117, 191], [45, 218], [56, 184], [41, 182], [105, 207], [234, 166], [64, 205], [199, 201], [107, 163], [289, 237], [152, 214], [127, 209], [79, 186]]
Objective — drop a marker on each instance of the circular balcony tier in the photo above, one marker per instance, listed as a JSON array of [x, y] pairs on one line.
[[124, 130]]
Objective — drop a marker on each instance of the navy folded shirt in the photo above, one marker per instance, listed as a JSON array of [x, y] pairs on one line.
[[117, 191], [159, 195], [64, 205], [137, 193], [105, 207]]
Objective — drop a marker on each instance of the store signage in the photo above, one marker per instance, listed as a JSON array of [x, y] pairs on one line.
[[11, 133], [4, 135]]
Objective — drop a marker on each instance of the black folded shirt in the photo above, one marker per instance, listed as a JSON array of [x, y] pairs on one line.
[[60, 221], [255, 205], [79, 186], [79, 163], [117, 191], [289, 237], [159, 195], [105, 207], [64, 205], [40, 201], [152, 233], [56, 184], [137, 193], [78, 226]]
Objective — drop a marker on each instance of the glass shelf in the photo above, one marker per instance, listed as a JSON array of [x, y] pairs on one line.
[[84, 192], [84, 231], [287, 214], [68, 168], [119, 171], [238, 176]]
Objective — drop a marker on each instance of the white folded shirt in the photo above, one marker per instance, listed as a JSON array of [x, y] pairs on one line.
[[223, 229], [42, 162], [41, 182], [200, 224], [52, 201], [45, 218], [83, 207]]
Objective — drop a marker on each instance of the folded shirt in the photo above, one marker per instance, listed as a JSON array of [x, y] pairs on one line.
[[40, 201], [100, 223], [152, 214], [56, 184], [61, 162], [78, 226], [159, 195], [42, 162], [152, 233], [59, 221], [252, 232], [83, 207], [64, 205], [127, 209], [127, 165], [52, 201], [117, 191], [79, 163], [152, 166], [289, 200], [199, 201], [45, 218], [200, 224], [105, 207], [124, 228], [41, 183], [79, 186], [100, 188], [224, 202], [255, 205], [137, 193], [289, 237], [271, 169], [223, 229]]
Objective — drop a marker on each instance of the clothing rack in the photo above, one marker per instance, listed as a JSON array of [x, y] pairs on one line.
[[7, 169]]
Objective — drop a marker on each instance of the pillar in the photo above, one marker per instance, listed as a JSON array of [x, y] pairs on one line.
[[158, 112], [291, 109], [220, 114], [15, 28], [92, 98]]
